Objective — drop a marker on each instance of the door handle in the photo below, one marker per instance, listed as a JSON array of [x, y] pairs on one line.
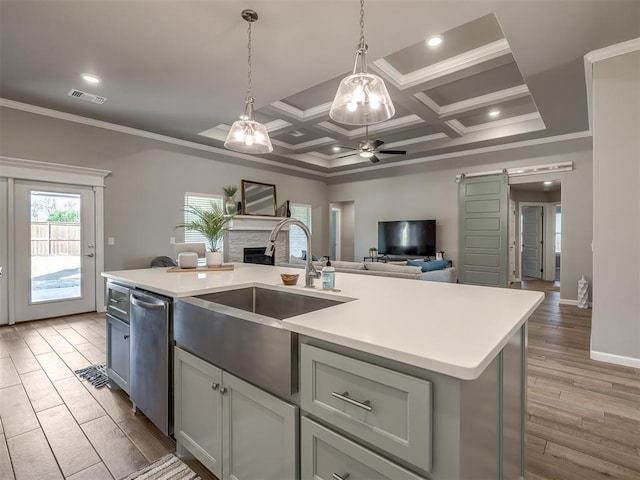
[[90, 255]]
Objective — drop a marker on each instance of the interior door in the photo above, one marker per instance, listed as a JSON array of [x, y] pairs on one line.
[[54, 250], [336, 237], [483, 216], [532, 241]]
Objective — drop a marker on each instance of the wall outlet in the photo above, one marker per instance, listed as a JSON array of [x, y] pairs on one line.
[[111, 241], [172, 240]]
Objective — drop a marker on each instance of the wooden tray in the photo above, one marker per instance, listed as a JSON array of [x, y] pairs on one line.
[[201, 269]]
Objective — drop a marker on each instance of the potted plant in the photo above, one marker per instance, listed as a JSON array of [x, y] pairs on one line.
[[373, 252], [211, 223], [230, 202]]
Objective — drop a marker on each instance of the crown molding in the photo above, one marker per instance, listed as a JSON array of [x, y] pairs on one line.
[[44, 171], [302, 115], [599, 55], [428, 101], [456, 126], [300, 146], [407, 120], [463, 61], [152, 136], [475, 103]]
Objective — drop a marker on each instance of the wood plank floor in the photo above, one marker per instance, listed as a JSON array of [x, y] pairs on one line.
[[583, 415], [54, 425]]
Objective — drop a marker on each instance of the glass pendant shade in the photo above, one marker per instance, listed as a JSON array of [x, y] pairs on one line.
[[362, 99], [248, 136]]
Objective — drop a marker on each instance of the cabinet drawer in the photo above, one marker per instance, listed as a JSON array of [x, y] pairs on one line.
[[329, 456], [385, 408], [118, 352], [118, 301]]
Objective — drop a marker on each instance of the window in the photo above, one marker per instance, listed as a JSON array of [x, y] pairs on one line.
[[297, 238], [201, 200], [558, 228]]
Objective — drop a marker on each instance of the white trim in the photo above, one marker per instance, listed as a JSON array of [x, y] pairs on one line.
[[475, 103], [98, 205], [311, 143], [145, 134], [302, 115], [456, 126], [428, 101], [615, 359], [599, 55], [405, 121], [11, 245], [45, 171], [527, 117], [566, 301], [451, 65]]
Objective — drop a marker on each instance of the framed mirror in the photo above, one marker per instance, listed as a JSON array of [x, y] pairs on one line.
[[258, 198]]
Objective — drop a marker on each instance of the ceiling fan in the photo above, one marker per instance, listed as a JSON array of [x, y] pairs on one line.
[[368, 149]]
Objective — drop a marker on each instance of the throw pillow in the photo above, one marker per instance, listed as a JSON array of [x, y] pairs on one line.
[[429, 266]]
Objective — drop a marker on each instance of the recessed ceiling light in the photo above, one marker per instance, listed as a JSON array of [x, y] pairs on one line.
[[548, 182], [336, 149], [434, 41], [90, 78], [494, 113]]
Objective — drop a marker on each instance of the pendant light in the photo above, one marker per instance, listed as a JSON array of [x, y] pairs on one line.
[[362, 97], [246, 135]]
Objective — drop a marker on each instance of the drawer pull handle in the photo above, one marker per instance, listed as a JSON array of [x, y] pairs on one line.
[[215, 386], [113, 300], [344, 396], [223, 390], [340, 477]]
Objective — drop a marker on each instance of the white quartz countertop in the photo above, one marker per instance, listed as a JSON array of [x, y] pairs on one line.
[[452, 329]]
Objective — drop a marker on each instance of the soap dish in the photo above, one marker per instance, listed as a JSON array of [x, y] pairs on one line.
[[289, 278]]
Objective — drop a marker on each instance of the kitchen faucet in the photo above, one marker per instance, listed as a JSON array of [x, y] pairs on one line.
[[310, 272]]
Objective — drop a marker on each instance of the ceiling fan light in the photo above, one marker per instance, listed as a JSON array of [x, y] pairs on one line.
[[362, 99], [366, 154], [247, 136]]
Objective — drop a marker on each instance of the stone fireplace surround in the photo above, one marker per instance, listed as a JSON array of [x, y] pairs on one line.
[[246, 231]]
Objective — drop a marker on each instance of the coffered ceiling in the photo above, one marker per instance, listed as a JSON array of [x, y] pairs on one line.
[[178, 68]]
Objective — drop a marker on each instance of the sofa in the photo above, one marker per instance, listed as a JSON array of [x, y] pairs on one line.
[[391, 269]]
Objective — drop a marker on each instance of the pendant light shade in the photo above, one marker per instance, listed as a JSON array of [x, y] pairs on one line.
[[362, 97], [246, 135]]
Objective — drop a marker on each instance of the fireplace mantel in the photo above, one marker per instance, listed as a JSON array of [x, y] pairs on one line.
[[255, 222]]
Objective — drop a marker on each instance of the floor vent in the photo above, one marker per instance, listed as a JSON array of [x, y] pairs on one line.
[[87, 97]]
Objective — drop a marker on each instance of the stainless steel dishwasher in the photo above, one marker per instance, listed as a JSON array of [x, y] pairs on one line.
[[151, 385]]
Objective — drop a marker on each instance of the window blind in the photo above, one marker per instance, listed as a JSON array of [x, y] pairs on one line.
[[297, 238], [200, 200]]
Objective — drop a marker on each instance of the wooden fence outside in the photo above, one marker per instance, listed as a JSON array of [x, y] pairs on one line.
[[55, 238]]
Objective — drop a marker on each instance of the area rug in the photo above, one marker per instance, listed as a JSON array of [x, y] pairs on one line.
[[94, 374], [169, 467]]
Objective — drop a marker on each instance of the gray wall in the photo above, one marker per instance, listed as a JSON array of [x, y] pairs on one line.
[[616, 216], [429, 191], [145, 193]]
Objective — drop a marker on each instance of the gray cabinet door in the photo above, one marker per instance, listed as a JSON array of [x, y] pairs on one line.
[[329, 456], [260, 434], [484, 249], [198, 409], [118, 352]]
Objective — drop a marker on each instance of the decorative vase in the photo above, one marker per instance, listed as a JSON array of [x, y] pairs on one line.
[[214, 259], [230, 206], [583, 293]]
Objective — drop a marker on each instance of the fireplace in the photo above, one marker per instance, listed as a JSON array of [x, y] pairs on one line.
[[256, 255]]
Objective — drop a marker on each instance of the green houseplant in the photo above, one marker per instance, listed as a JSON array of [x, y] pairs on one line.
[[373, 252], [211, 223], [230, 201]]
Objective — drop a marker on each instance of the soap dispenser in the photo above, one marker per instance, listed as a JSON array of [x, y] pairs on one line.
[[328, 276]]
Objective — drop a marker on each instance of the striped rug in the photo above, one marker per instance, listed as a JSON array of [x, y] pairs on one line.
[[169, 467]]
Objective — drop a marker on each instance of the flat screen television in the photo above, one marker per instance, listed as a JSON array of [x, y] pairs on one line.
[[407, 238]]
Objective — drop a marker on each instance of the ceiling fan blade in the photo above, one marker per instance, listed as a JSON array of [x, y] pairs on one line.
[[374, 159], [393, 152], [376, 144], [347, 155]]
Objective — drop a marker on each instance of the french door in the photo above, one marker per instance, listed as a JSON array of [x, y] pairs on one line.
[[55, 269]]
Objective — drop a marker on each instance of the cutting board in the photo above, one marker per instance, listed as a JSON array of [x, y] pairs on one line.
[[221, 268]]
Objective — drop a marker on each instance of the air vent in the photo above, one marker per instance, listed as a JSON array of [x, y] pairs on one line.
[[87, 97], [296, 133]]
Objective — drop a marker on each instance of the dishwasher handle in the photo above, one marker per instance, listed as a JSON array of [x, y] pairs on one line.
[[150, 306]]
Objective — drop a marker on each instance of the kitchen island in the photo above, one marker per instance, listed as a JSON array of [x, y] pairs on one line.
[[447, 362]]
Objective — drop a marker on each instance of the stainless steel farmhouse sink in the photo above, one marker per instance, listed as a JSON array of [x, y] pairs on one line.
[[240, 330]]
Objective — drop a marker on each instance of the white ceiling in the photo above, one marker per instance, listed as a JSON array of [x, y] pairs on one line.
[[178, 68]]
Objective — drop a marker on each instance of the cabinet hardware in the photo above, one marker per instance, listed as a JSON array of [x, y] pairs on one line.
[[126, 336], [113, 300], [223, 390], [344, 396], [89, 255], [215, 386], [340, 477]]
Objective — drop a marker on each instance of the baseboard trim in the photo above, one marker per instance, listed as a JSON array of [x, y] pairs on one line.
[[617, 359], [565, 301]]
